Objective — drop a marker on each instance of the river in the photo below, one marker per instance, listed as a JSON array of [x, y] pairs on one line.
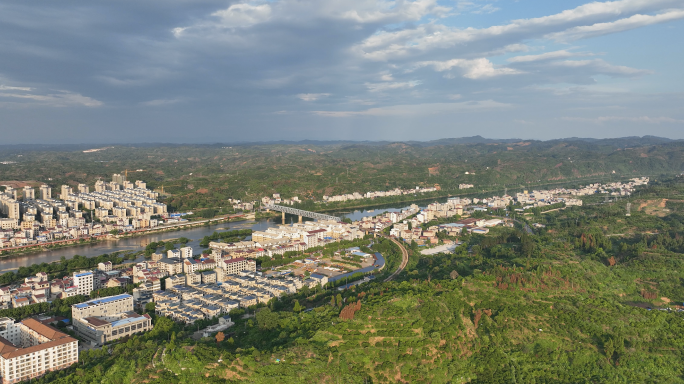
[[196, 234]]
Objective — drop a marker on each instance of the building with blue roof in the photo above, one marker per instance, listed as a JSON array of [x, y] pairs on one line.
[[84, 282], [108, 318]]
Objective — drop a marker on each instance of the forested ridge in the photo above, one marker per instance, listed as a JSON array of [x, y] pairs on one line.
[[204, 176]]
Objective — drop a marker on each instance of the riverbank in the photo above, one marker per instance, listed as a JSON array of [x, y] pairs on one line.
[[51, 246]]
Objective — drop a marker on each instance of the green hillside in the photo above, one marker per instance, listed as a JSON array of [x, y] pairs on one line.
[[584, 300], [203, 176]]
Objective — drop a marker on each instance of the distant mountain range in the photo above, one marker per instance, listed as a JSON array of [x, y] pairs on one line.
[[620, 142]]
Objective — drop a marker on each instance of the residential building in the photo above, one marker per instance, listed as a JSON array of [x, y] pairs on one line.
[[30, 349], [84, 282]]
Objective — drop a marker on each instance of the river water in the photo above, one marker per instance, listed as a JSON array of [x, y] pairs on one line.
[[196, 234]]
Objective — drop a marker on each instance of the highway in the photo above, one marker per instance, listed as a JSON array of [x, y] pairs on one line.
[[404, 259]]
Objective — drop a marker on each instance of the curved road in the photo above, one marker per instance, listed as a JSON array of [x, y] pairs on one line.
[[404, 259]]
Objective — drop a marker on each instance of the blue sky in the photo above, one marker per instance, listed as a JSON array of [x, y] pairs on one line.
[[220, 71]]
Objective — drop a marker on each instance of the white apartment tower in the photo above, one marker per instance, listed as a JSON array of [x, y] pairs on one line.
[[66, 191], [84, 282], [29, 193], [45, 192]]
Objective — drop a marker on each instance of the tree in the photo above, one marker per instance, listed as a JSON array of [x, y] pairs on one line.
[[609, 347], [267, 319], [149, 307], [339, 300], [220, 337], [114, 232], [453, 274], [297, 308]]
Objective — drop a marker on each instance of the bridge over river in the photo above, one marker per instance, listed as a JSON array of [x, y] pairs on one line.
[[301, 213]]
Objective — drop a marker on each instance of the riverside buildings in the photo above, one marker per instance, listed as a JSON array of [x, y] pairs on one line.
[[117, 206]]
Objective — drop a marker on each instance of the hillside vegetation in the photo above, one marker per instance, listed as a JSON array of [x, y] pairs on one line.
[[583, 300], [204, 176]]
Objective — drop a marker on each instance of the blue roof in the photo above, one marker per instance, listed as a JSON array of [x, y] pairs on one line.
[[128, 320], [317, 276], [452, 225], [83, 274], [359, 254], [102, 300]]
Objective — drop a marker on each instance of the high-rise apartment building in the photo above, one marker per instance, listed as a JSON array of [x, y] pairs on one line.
[[119, 179], [66, 191], [29, 193], [45, 192]]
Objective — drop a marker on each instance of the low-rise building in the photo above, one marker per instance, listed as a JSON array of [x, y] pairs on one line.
[[108, 318]]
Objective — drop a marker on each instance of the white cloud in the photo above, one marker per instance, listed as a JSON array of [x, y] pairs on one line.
[[58, 99], [312, 96], [487, 8], [599, 29], [365, 11], [562, 54], [419, 109], [599, 66], [243, 15], [472, 69], [9, 88], [381, 87], [424, 38], [637, 119]]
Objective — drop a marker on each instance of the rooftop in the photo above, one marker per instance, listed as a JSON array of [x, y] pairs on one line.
[[103, 300], [128, 320]]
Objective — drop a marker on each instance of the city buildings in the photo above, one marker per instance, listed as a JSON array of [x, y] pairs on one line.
[[77, 213]]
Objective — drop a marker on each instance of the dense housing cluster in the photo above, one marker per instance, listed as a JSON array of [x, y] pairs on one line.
[[116, 206], [189, 303], [374, 194]]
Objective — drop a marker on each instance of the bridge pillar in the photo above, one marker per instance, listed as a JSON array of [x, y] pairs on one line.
[[300, 219], [283, 218]]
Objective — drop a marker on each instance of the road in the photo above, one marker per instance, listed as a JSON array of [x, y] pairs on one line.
[[404, 259]]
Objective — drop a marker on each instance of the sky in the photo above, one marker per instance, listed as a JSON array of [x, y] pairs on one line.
[[202, 71]]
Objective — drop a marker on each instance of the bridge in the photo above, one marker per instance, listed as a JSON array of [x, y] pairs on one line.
[[301, 213]]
